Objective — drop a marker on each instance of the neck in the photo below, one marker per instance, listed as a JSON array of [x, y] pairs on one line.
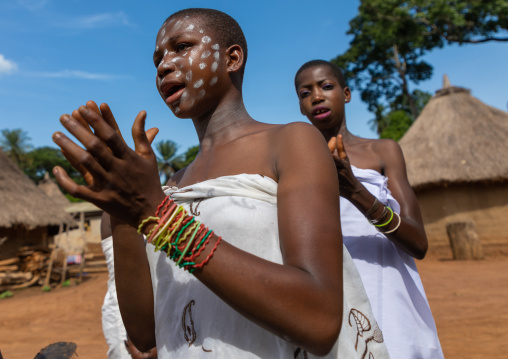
[[340, 129], [224, 123]]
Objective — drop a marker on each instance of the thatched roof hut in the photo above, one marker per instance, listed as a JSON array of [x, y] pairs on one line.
[[457, 162], [456, 139], [49, 186], [22, 202]]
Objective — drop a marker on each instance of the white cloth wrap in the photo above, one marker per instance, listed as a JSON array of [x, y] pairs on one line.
[[112, 324], [192, 322], [390, 277]]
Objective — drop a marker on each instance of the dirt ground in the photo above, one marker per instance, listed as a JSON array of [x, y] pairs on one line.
[[468, 299]]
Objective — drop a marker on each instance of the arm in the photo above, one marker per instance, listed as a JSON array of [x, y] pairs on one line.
[[410, 235], [302, 303]]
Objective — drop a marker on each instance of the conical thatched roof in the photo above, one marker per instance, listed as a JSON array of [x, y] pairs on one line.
[[49, 186], [456, 139], [22, 203]]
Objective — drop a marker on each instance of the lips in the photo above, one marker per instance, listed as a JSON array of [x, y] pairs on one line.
[[321, 112], [172, 92]]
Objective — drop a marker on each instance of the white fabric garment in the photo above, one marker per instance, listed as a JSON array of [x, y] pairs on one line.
[[390, 277], [192, 322], [112, 324]]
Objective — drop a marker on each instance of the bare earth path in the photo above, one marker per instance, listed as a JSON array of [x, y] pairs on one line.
[[469, 301]]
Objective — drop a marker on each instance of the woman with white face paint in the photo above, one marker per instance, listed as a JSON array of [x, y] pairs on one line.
[[251, 224]]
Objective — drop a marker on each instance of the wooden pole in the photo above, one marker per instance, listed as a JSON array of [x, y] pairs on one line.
[[464, 240], [52, 257]]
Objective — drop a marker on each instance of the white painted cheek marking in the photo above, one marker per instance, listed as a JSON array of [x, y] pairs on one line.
[[175, 59], [164, 40], [184, 95], [205, 54], [188, 77], [178, 73], [185, 53], [198, 84], [180, 66], [206, 39], [190, 60], [190, 27], [157, 48], [201, 93], [202, 65], [177, 109], [201, 31], [165, 52], [214, 66], [215, 47], [213, 81], [216, 55]]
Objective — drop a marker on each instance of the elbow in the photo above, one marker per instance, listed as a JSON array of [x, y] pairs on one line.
[[421, 251], [323, 339]]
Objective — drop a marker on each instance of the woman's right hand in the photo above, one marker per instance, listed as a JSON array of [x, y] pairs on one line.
[[347, 181], [106, 162]]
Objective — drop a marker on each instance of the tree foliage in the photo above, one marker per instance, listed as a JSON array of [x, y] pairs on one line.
[[169, 161], [15, 144], [390, 38]]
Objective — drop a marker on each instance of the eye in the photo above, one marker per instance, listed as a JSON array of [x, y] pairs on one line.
[[304, 93], [181, 47], [327, 87]]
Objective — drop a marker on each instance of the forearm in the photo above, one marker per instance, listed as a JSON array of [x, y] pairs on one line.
[[409, 235], [134, 285], [293, 303]]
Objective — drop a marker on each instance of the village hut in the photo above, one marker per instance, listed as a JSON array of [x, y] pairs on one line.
[[49, 186], [28, 217], [457, 162]]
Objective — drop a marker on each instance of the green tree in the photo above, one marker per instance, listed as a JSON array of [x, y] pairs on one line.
[[15, 144], [190, 155], [167, 159], [43, 159], [390, 38]]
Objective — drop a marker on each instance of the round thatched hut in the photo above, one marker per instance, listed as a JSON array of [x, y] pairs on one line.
[[27, 215], [457, 162]]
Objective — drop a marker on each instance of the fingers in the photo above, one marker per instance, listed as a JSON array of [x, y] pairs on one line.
[[151, 133], [103, 130], [332, 144], [142, 144], [107, 115], [74, 163], [70, 186], [86, 161], [340, 148]]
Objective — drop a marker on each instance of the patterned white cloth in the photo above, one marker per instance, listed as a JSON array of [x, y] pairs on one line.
[[390, 277], [112, 324], [192, 322]]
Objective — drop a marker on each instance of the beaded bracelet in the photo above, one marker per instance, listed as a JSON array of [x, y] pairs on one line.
[[396, 227], [173, 226]]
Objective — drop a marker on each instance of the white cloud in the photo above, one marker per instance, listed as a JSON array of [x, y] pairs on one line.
[[7, 66], [97, 21], [77, 74]]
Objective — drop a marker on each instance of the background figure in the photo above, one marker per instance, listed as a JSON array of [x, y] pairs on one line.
[[381, 222]]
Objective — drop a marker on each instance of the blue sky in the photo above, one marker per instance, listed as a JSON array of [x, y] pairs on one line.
[[56, 55]]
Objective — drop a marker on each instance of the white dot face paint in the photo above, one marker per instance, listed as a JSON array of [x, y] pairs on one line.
[[157, 48], [205, 54], [214, 66], [163, 32], [165, 52], [177, 109], [164, 40], [188, 77], [190, 60], [202, 65], [178, 73], [190, 27], [198, 84], [216, 55], [213, 81], [201, 94], [215, 47], [175, 59], [201, 31], [206, 39]]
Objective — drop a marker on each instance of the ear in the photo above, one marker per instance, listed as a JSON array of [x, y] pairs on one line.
[[235, 58], [347, 94]]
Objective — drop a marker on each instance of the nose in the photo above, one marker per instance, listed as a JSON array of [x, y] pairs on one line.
[[316, 96], [165, 67]]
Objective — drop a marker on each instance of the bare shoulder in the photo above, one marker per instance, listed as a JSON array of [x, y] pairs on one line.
[[175, 179], [300, 133]]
